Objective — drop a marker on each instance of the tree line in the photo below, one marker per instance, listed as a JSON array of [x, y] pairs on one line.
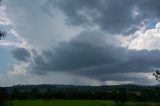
[[118, 94]]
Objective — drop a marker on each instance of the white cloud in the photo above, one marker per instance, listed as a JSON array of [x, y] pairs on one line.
[[3, 17], [147, 40]]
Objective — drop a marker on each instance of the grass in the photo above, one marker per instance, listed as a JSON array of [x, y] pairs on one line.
[[57, 103], [77, 103]]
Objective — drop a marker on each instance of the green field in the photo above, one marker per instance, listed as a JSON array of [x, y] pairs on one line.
[[76, 103]]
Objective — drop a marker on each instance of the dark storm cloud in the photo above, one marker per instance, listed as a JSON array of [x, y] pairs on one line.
[[86, 50], [114, 16], [21, 54], [91, 56], [133, 62]]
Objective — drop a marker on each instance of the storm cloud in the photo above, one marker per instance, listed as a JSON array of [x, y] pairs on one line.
[[95, 40], [93, 57], [21, 54], [116, 17]]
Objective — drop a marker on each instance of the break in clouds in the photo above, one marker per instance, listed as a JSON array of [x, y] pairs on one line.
[[94, 52]]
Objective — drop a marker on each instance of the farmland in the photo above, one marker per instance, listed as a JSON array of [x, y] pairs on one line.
[[77, 103]]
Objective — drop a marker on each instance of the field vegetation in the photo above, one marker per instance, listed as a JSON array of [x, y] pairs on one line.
[[78, 103]]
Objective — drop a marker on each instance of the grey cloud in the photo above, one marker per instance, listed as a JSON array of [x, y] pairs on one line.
[[21, 54], [91, 56], [86, 50], [122, 16], [133, 62]]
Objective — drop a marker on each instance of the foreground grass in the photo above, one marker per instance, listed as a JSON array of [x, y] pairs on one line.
[[58, 103], [77, 103]]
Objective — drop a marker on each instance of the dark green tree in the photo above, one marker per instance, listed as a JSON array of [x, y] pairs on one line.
[[122, 96], [3, 96], [34, 93], [119, 96], [15, 94], [48, 94], [2, 34]]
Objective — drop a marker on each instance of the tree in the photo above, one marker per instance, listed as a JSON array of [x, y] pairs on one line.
[[119, 96], [2, 34], [15, 94], [3, 96], [122, 95], [34, 93], [157, 75], [48, 94]]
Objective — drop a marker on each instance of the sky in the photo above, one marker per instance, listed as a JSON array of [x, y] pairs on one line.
[[79, 42]]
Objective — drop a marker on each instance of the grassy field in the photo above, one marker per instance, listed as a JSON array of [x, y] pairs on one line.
[[76, 103]]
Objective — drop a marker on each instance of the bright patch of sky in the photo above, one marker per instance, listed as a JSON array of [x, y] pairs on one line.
[[151, 24]]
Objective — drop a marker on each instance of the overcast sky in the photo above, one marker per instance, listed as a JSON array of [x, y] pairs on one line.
[[82, 42]]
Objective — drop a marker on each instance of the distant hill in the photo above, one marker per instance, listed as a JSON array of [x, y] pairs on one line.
[[104, 88]]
